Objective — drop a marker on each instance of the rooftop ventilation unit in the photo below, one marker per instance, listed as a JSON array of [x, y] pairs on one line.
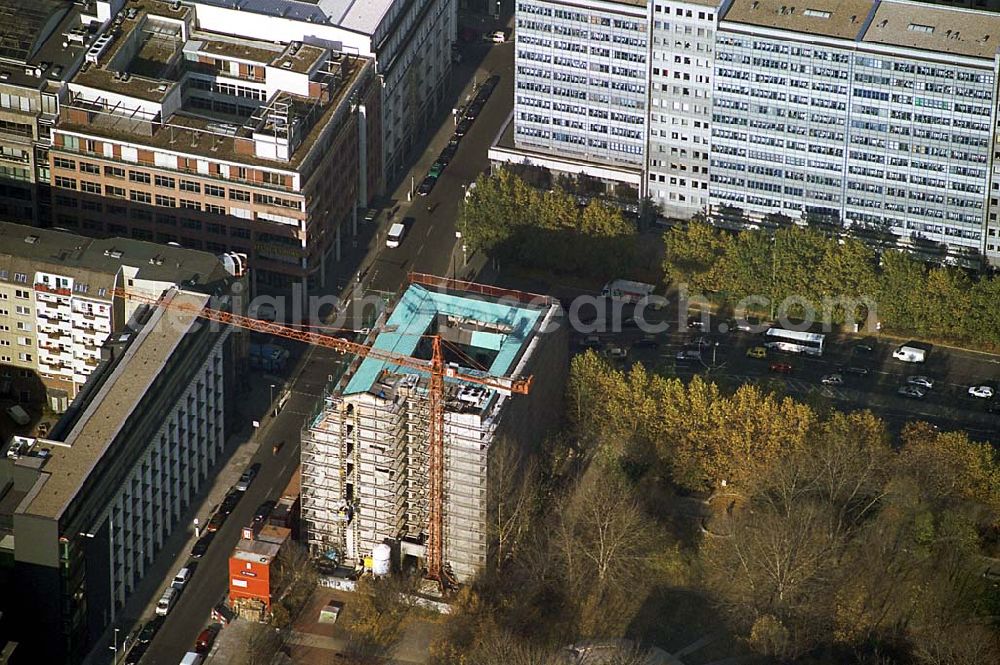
[[95, 51]]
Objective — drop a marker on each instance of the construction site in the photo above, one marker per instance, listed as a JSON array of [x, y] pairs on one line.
[[398, 450]]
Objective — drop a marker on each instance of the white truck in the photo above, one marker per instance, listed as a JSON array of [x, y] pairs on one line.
[[910, 354], [626, 290]]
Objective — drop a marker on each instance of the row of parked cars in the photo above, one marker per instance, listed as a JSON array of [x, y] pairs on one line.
[[173, 592], [469, 116]]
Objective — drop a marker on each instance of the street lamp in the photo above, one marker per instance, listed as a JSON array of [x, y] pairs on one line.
[[115, 646], [271, 403]]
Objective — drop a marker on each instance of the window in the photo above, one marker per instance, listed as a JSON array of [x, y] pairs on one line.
[[166, 201], [114, 172], [214, 209], [216, 191], [90, 187], [239, 195], [274, 178], [65, 183], [189, 223], [140, 197], [239, 233], [63, 163], [22, 310], [22, 294], [190, 205], [87, 167], [24, 357], [190, 186], [140, 177], [24, 341], [114, 192], [20, 278], [164, 181], [26, 327]]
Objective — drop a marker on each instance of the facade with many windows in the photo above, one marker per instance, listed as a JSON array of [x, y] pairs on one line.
[[880, 118]]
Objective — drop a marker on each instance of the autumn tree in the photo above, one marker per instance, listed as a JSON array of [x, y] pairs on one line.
[[378, 617]]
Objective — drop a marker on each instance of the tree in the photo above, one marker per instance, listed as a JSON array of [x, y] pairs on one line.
[[691, 253], [378, 616], [900, 290], [259, 646], [512, 498], [294, 573]]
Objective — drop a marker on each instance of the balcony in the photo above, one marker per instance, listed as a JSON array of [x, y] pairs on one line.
[[45, 288]]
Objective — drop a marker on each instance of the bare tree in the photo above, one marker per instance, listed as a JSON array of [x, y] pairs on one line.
[[295, 574], [260, 645], [512, 497], [378, 617]]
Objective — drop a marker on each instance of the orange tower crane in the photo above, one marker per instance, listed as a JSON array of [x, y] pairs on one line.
[[436, 368]]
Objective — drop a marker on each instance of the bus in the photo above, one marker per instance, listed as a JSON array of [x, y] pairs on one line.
[[792, 341]]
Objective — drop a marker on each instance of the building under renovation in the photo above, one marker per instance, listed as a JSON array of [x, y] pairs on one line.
[[365, 453]]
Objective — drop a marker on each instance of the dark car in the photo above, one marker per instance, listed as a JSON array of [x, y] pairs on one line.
[[475, 108], [426, 186], [206, 639], [149, 631], [856, 370], [228, 504], [264, 510], [463, 127], [449, 152], [201, 546], [781, 368], [647, 342], [214, 524], [488, 85], [136, 653]]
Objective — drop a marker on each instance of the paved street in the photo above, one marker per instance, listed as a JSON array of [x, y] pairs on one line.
[[427, 248], [947, 405]]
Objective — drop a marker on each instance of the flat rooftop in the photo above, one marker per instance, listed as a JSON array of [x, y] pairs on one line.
[[417, 309], [361, 16], [830, 18], [936, 28], [92, 438], [95, 262], [213, 135], [31, 33]]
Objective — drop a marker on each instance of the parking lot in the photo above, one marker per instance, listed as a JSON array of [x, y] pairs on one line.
[[867, 375]]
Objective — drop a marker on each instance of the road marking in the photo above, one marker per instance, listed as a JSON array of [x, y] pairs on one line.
[[420, 249], [429, 229]]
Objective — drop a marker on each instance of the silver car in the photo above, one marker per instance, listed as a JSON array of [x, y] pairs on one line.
[[914, 392], [832, 380], [922, 381]]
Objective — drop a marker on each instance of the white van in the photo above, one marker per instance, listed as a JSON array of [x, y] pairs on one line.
[[192, 658], [166, 602], [181, 578], [910, 354], [395, 236]]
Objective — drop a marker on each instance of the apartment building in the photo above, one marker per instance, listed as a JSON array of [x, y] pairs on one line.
[[680, 111], [57, 298], [89, 508], [42, 43], [365, 453], [173, 134], [865, 114], [410, 41]]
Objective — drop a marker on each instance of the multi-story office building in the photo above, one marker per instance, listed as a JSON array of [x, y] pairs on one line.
[[410, 41], [680, 110], [174, 134], [365, 454], [42, 43], [91, 505], [57, 295], [866, 114]]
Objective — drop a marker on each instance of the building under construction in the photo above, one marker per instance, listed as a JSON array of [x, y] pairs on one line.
[[366, 463]]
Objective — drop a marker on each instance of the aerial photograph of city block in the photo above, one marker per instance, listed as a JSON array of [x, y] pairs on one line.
[[499, 332]]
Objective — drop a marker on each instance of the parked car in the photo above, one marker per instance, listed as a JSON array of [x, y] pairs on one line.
[[136, 653], [758, 352], [229, 501], [618, 352], [436, 169], [218, 519], [857, 370], [181, 578], [247, 477], [201, 546], [648, 341], [832, 380], [487, 86], [591, 342], [448, 153], [750, 324], [913, 392], [696, 323], [395, 235], [497, 37], [370, 215], [474, 109], [263, 511], [427, 185], [866, 346], [981, 392], [463, 127], [149, 630], [922, 381], [206, 639], [689, 354], [781, 368], [166, 601]]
